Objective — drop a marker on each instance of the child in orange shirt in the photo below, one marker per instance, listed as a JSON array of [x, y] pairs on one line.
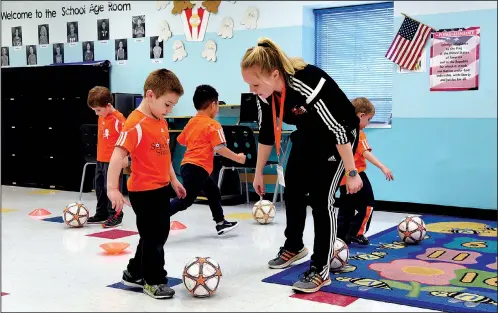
[[110, 123], [145, 137], [351, 227], [203, 136]]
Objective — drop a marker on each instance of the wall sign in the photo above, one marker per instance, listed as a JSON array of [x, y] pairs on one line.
[[455, 59]]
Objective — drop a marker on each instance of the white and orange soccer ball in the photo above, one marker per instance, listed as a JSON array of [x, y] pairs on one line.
[[264, 211], [75, 215], [201, 276], [341, 255], [412, 230]]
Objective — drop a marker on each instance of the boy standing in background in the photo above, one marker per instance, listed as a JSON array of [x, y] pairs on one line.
[[145, 137], [203, 136], [351, 227], [110, 123]]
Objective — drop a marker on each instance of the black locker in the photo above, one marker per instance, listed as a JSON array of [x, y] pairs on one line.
[[42, 111]]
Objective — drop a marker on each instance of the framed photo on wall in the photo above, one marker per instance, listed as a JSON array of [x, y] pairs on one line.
[[58, 53], [5, 56], [103, 29], [138, 26], [17, 37], [88, 51], [43, 35], [72, 32], [156, 49], [31, 58], [121, 50]]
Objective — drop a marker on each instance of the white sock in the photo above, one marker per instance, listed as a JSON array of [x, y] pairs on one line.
[[220, 223]]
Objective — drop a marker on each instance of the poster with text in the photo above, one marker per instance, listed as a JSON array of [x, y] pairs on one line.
[[455, 59]]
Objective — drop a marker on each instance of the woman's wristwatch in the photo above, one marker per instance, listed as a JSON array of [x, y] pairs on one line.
[[352, 173]]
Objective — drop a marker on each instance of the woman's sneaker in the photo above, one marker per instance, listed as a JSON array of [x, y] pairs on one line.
[[285, 258], [161, 291], [311, 281]]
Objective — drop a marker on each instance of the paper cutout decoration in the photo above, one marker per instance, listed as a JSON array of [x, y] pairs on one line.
[[164, 31], [209, 52], [161, 5], [179, 52], [211, 6], [226, 29], [195, 16], [251, 18], [180, 6]]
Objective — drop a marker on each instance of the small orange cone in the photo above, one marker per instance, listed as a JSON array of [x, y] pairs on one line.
[[39, 212], [176, 226], [114, 247]]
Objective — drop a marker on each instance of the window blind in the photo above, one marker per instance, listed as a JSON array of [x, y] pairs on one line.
[[350, 45]]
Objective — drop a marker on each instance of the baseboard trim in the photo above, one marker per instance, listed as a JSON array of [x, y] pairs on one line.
[[419, 208]]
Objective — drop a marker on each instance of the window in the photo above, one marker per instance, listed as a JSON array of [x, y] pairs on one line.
[[351, 43]]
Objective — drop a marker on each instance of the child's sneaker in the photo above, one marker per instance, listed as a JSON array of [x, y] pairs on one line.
[[285, 257], [113, 221], [310, 281], [96, 219], [130, 281], [361, 239], [161, 291], [226, 227]]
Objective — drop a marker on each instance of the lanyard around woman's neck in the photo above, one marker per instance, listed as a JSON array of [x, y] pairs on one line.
[[277, 129]]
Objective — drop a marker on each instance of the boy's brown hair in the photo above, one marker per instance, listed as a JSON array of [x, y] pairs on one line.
[[162, 81], [363, 105], [99, 97]]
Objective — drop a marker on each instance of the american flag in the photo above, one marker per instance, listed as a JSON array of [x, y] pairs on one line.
[[406, 48]]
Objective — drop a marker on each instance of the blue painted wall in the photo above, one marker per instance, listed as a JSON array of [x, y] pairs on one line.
[[442, 146]]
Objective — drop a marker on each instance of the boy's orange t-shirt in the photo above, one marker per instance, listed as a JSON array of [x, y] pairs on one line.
[[359, 160], [201, 135], [109, 128], [147, 141]]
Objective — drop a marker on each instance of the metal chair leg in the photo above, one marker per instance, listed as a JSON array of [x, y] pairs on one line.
[[247, 186], [282, 196], [275, 193], [220, 177], [83, 179], [240, 182]]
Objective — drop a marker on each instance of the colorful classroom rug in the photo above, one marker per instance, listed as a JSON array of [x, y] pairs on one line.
[[453, 270]]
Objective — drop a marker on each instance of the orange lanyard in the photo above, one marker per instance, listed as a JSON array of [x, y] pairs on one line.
[[277, 129]]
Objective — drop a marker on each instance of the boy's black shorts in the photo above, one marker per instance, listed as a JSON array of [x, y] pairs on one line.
[[363, 198]]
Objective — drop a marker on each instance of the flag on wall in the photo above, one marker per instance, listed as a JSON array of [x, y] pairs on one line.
[[406, 48]]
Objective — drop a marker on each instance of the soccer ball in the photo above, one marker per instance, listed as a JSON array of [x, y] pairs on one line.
[[75, 215], [263, 211], [412, 230], [341, 255], [201, 276]]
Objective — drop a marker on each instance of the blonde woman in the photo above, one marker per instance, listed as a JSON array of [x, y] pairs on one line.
[[301, 94]]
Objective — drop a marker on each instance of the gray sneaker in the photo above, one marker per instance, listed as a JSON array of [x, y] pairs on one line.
[[285, 258], [311, 281], [161, 291]]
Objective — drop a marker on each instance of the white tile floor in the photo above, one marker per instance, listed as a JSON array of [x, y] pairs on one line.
[[48, 267]]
